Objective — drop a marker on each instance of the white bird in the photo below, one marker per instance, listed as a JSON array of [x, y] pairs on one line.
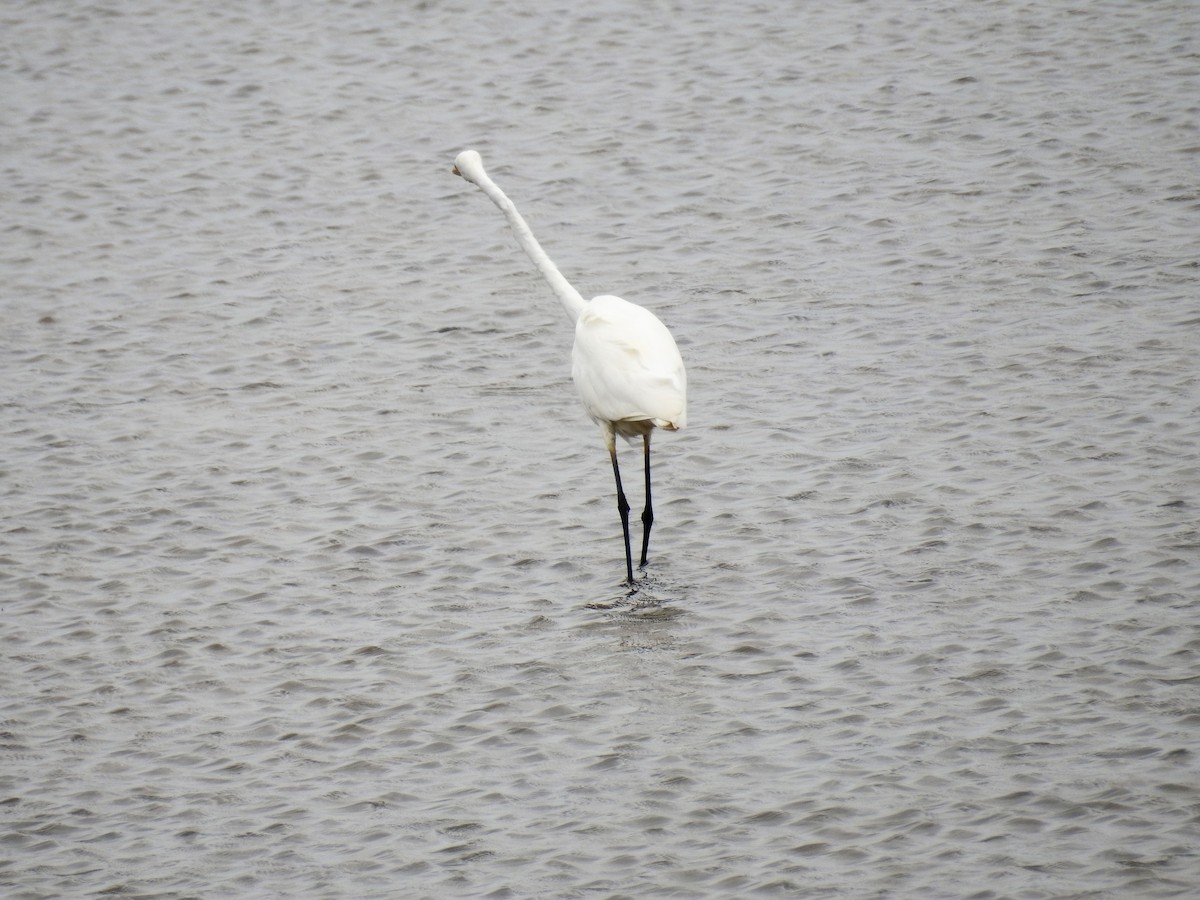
[[625, 363]]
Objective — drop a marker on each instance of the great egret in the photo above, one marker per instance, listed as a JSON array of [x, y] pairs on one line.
[[625, 363]]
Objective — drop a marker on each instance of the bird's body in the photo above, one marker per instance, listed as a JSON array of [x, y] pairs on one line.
[[627, 368], [625, 364]]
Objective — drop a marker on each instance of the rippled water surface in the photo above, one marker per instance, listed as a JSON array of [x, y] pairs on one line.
[[309, 560]]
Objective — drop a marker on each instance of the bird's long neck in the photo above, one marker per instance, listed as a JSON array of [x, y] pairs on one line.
[[570, 298]]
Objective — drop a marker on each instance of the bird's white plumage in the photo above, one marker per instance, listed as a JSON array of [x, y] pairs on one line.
[[625, 364], [627, 368]]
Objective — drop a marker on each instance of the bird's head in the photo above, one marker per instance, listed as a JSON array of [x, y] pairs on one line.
[[469, 164]]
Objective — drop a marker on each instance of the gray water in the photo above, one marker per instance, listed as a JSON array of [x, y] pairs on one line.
[[310, 567]]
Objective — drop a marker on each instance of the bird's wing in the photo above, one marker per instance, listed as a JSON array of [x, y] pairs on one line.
[[626, 365]]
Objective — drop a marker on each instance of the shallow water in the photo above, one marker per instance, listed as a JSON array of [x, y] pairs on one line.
[[310, 562]]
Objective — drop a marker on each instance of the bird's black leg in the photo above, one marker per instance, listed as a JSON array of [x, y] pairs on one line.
[[623, 509], [648, 512]]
